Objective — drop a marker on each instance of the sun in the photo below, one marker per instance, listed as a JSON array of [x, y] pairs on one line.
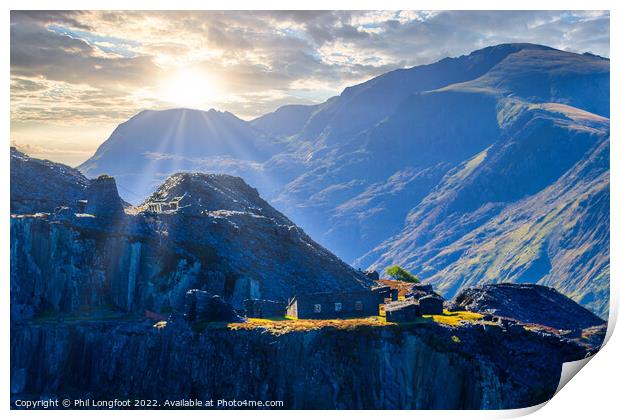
[[188, 88]]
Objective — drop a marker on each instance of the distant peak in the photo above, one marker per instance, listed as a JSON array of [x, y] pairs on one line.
[[511, 48], [176, 111]]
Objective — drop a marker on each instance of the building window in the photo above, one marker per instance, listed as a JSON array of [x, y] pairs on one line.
[[358, 305], [317, 308], [338, 307]]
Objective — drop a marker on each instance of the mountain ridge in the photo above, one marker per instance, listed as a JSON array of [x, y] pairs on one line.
[[355, 170]]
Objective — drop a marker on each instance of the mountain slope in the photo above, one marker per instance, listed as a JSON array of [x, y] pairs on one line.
[[541, 75], [285, 121], [412, 136], [362, 106], [498, 219]]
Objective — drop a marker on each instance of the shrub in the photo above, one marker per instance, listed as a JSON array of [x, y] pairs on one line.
[[399, 273]]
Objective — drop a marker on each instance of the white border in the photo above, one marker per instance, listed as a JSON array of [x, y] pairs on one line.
[[593, 395]]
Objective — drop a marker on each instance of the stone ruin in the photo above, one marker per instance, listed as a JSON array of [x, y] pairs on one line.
[[422, 300], [420, 290], [394, 295], [261, 308], [385, 293], [402, 311], [431, 305], [201, 306]]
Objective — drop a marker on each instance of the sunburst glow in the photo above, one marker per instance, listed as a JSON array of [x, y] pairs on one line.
[[188, 88]]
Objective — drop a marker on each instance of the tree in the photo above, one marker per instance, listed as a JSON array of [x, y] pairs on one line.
[[399, 273]]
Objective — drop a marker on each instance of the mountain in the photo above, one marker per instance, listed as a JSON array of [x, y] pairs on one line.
[[286, 121], [531, 209], [451, 169], [42, 186], [152, 145], [368, 179], [446, 161]]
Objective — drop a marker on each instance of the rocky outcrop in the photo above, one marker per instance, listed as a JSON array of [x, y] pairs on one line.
[[42, 186], [103, 198], [418, 291], [527, 303], [414, 367]]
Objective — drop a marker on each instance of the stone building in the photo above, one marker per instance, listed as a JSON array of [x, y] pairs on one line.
[[394, 295], [384, 291], [162, 206], [81, 206], [354, 304], [372, 274]]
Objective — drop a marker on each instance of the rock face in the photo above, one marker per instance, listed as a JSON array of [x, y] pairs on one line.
[[48, 187], [528, 303], [43, 186], [422, 367]]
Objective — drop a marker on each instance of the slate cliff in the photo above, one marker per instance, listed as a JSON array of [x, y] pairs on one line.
[[422, 366]]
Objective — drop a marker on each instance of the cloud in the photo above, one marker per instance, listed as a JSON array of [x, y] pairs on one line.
[[43, 17], [86, 66], [37, 51]]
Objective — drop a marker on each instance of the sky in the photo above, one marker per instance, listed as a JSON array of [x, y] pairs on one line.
[[76, 75]]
